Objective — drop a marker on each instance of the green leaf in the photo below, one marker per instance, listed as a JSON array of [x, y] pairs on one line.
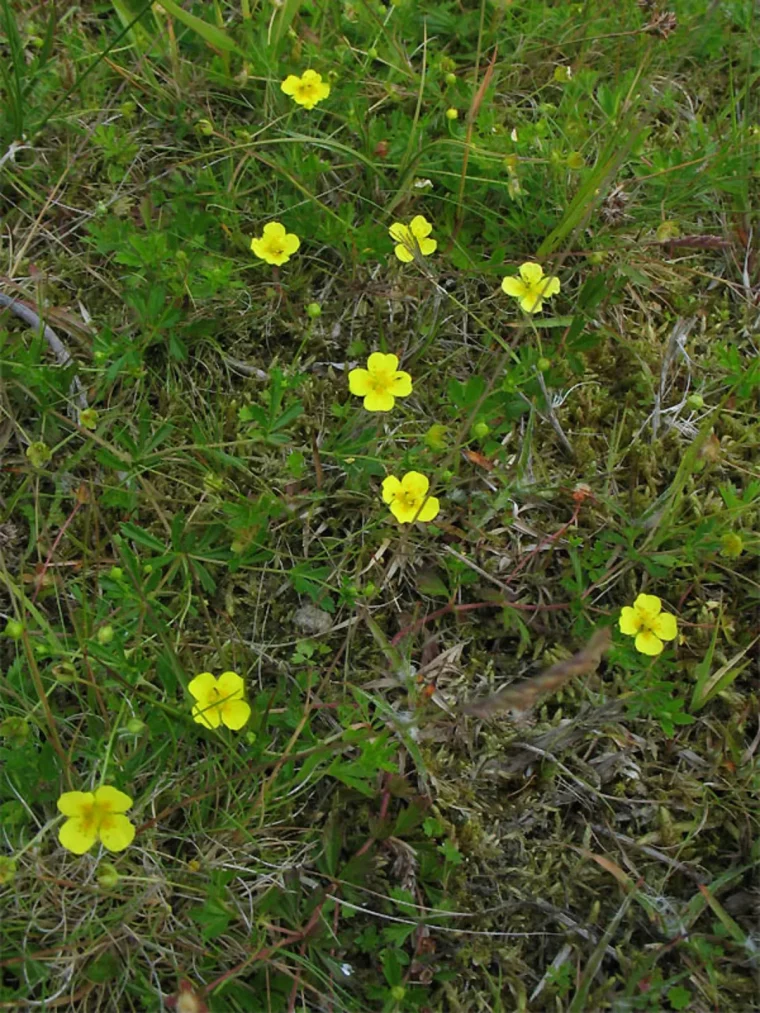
[[451, 852], [211, 35], [430, 583], [398, 934], [679, 997], [351, 777], [213, 918], [710, 685], [332, 842], [105, 968], [142, 537], [393, 961]]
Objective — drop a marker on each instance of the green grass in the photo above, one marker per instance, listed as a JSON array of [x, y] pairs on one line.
[[360, 844]]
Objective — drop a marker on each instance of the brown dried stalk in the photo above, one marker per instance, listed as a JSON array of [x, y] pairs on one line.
[[523, 695]]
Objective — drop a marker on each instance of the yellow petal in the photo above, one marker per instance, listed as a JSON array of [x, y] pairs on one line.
[[112, 799], [629, 621], [72, 803], [310, 76], [201, 686], [400, 233], [235, 714], [531, 303], [401, 384], [259, 247], [664, 626], [379, 401], [430, 509], [230, 686], [391, 488], [427, 246], [77, 835], [274, 230], [323, 90], [358, 382], [531, 273], [206, 715], [404, 514], [379, 362], [415, 484], [290, 84], [648, 643], [549, 287], [291, 243], [116, 832], [515, 287], [403, 253], [649, 604], [420, 227]]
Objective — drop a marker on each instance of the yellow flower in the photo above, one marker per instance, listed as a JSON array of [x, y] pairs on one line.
[[408, 498], [219, 701], [276, 245], [648, 623], [532, 287], [412, 238], [306, 90], [95, 816], [380, 383]]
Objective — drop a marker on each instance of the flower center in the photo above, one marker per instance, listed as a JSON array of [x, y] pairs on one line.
[[90, 817], [275, 250], [380, 382]]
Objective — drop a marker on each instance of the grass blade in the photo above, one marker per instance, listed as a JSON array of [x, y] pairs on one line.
[[211, 35]]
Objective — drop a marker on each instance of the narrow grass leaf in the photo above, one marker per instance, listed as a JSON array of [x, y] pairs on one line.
[[214, 37]]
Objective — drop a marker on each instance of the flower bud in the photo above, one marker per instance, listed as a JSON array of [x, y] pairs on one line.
[[105, 635], [14, 629], [435, 437], [88, 418], [38, 453], [108, 875]]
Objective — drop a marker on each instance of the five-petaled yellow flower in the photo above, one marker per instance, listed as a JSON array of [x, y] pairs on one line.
[[219, 701], [380, 383], [276, 245], [648, 623], [532, 287], [95, 816], [306, 90], [408, 498], [412, 238]]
